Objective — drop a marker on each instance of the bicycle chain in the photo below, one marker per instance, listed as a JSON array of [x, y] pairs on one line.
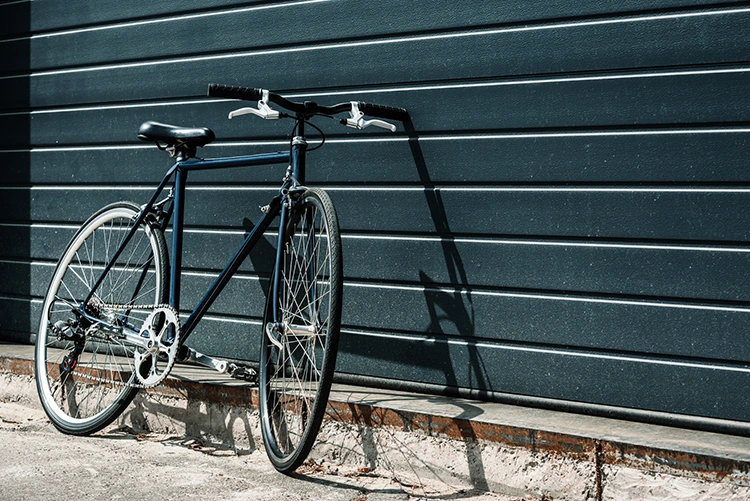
[[144, 307]]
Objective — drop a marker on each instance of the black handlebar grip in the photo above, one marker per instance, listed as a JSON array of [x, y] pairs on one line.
[[380, 111], [234, 92]]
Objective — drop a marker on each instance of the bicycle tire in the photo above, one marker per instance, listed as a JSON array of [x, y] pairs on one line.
[[297, 365], [87, 391]]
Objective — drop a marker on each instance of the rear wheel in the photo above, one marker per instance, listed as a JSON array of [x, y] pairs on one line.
[[298, 349], [85, 373]]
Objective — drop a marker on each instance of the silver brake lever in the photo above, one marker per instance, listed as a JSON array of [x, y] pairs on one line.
[[357, 120], [377, 123], [263, 110]]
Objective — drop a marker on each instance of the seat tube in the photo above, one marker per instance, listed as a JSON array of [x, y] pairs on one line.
[[177, 226]]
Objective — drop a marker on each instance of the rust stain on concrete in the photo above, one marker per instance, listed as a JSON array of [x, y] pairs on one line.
[[18, 366], [560, 444], [714, 468]]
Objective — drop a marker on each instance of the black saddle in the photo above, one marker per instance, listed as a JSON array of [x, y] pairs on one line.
[[180, 139]]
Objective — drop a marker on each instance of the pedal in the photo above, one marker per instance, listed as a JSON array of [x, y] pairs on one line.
[[245, 373]]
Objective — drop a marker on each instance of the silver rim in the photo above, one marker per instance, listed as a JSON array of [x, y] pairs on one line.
[[104, 369]]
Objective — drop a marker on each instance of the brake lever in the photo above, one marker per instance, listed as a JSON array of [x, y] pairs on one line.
[[377, 123], [263, 110], [357, 120]]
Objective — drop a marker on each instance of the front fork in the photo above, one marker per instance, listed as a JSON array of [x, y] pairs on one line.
[[281, 327]]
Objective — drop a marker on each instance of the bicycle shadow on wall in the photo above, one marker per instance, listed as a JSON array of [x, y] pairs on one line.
[[451, 312]]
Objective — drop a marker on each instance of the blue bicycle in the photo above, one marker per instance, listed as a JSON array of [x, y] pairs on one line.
[[110, 324]]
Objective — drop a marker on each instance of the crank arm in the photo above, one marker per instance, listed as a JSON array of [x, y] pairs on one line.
[[199, 358]]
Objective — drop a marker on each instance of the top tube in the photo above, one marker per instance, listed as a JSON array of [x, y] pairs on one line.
[[241, 161]]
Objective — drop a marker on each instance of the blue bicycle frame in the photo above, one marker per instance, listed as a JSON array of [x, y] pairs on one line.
[[296, 176]]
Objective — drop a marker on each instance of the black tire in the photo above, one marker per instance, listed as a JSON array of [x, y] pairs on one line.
[[297, 365], [86, 391]]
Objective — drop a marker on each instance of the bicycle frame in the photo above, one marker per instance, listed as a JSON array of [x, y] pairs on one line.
[[296, 160], [106, 329]]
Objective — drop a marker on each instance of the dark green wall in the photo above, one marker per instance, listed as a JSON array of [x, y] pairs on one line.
[[565, 219]]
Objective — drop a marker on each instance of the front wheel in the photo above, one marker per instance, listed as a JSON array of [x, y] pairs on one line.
[[84, 370], [301, 331]]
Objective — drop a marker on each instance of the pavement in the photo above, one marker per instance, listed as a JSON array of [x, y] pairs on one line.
[[197, 437]]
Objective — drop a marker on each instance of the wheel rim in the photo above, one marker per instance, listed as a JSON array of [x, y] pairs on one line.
[[83, 395]]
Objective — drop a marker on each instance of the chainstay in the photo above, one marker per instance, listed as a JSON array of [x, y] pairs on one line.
[[131, 383]]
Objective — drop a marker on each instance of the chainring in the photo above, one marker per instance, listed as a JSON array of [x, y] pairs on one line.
[[161, 329]]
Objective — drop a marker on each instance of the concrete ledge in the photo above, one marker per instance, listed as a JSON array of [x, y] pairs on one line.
[[429, 441]]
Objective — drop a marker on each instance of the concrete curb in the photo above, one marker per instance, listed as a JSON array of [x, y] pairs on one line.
[[436, 443]]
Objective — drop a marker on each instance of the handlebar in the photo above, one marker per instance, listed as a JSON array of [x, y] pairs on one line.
[[307, 107]]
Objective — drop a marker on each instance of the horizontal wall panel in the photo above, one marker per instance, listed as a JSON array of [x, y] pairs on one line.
[[18, 319], [46, 16], [631, 383], [592, 212], [614, 269], [235, 339], [669, 42], [202, 250], [630, 213], [551, 320], [16, 278], [84, 166], [640, 102], [15, 127], [16, 242], [622, 213], [638, 271], [665, 38], [660, 157], [645, 327], [14, 205], [50, 15]]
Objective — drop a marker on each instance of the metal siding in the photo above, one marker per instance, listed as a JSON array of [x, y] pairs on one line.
[[564, 218]]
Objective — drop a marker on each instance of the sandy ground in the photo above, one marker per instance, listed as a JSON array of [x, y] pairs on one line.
[[41, 463]]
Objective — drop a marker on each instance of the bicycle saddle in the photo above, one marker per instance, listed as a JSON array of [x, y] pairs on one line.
[[173, 135]]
